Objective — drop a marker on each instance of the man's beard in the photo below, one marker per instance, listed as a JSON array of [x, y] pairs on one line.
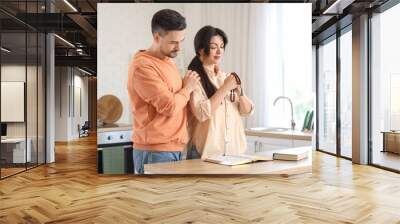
[[171, 54]]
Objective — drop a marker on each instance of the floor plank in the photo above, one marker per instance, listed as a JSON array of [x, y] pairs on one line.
[[71, 191], [386, 159]]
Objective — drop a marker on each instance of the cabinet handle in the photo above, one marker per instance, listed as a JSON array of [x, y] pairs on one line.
[[257, 146]]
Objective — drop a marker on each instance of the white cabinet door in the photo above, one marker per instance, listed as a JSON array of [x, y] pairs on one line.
[[19, 153], [267, 147], [260, 144], [252, 142], [267, 144], [300, 143]]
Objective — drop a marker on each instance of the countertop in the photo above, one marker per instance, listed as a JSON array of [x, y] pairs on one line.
[[289, 134], [114, 127], [197, 166]]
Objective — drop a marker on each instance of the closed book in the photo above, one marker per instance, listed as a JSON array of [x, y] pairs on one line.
[[292, 154]]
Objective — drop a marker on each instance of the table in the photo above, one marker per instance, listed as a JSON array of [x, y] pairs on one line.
[[13, 150], [197, 166], [391, 141]]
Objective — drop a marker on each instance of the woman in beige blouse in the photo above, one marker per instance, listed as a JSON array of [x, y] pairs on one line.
[[217, 127]]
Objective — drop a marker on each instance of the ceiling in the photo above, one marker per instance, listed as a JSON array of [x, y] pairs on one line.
[[76, 22]]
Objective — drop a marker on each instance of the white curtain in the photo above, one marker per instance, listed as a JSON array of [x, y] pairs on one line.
[[246, 52], [231, 18], [263, 59], [269, 46]]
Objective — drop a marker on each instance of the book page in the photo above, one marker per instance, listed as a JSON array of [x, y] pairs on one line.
[[229, 159]]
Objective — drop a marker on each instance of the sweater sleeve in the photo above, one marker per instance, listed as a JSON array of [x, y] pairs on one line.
[[153, 90]]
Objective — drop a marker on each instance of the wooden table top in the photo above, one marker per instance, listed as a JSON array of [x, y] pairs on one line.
[[197, 166]]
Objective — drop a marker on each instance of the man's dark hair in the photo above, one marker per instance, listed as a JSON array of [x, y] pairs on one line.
[[167, 20]]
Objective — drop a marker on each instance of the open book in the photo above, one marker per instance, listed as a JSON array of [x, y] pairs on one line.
[[232, 160], [283, 154]]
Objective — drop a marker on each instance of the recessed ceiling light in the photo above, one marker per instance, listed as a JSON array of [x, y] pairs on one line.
[[70, 5], [84, 71], [5, 50], [338, 6], [64, 40]]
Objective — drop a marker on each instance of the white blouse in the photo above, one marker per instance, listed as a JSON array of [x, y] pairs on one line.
[[212, 133]]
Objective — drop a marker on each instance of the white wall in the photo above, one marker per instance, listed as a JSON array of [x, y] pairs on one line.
[[61, 103], [79, 117], [33, 127], [117, 45], [68, 82], [12, 73]]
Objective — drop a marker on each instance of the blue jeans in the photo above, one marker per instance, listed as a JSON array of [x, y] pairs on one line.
[[141, 157], [192, 153]]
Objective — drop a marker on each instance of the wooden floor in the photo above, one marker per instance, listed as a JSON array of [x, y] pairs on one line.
[[70, 191], [387, 159], [5, 172]]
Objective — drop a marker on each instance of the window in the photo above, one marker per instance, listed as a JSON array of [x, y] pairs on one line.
[[346, 93], [22, 65], [291, 73], [385, 88], [327, 95]]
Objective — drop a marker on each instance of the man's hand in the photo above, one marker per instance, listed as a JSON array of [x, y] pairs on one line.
[[190, 80]]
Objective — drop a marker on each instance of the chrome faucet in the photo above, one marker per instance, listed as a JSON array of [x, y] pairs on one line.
[[292, 124]]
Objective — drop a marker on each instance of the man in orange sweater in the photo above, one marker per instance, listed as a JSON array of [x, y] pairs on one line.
[[159, 95]]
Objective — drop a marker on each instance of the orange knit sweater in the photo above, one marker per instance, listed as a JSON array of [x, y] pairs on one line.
[[158, 104]]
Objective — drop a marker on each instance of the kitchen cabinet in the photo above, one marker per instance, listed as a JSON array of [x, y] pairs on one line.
[[260, 143], [114, 149]]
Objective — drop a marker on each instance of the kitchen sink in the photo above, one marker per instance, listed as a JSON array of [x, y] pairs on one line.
[[274, 129]]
